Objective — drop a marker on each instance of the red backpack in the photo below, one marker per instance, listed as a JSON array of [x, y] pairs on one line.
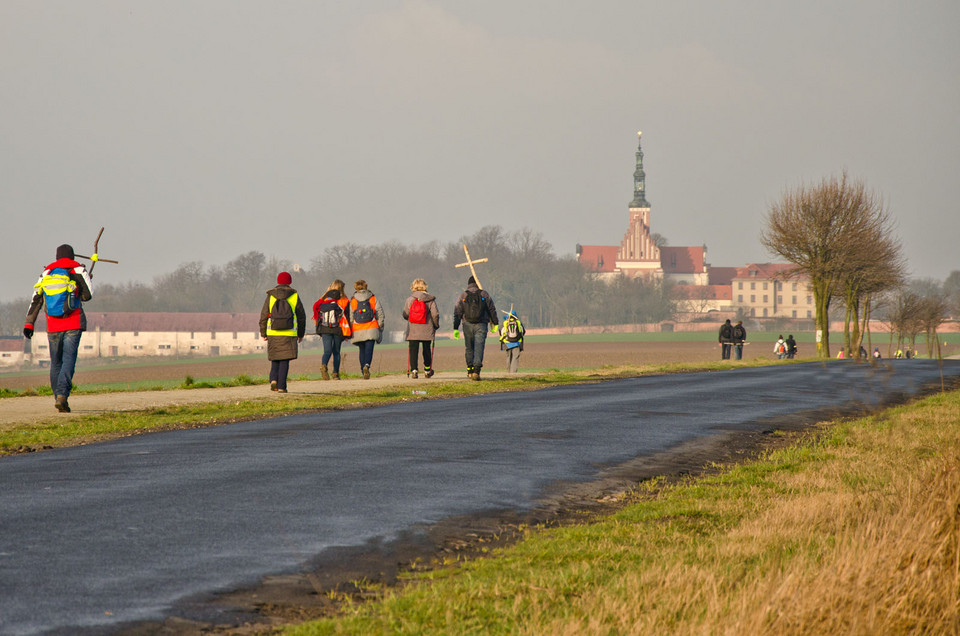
[[418, 312]]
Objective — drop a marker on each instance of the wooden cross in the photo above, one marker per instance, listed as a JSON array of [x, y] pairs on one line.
[[470, 264]]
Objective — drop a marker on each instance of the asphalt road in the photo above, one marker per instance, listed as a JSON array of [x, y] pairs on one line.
[[95, 536]]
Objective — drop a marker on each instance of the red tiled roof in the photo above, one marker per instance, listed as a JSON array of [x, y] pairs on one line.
[[681, 260], [599, 258], [766, 270], [708, 292], [721, 275]]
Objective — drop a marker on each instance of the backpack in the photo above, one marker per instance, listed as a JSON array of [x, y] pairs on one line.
[[739, 333], [781, 348], [329, 313], [511, 330], [473, 306], [59, 292], [364, 311], [281, 313], [418, 311], [726, 331]]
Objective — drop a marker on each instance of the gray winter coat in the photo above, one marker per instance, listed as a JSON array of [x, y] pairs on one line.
[[367, 334], [426, 331], [282, 347]]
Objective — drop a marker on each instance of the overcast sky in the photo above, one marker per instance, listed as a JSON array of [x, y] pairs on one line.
[[198, 131]]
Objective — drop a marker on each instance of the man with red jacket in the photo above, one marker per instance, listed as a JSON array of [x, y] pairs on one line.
[[63, 331]]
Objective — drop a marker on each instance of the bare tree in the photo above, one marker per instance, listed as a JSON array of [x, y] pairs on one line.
[[826, 230]]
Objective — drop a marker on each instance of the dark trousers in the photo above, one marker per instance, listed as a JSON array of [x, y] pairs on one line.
[[725, 350], [331, 347], [64, 346], [366, 352], [474, 340], [278, 372], [738, 350], [414, 346]]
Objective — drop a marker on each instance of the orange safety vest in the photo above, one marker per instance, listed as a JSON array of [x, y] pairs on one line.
[[360, 326]]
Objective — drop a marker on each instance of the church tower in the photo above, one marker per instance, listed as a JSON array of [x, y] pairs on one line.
[[637, 255]]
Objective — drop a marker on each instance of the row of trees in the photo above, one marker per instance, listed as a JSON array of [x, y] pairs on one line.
[[841, 237], [522, 271]]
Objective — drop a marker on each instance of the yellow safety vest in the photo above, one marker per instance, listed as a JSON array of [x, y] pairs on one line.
[[292, 299]]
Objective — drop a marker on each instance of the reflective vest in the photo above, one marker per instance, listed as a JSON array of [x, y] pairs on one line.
[[292, 299], [361, 326]]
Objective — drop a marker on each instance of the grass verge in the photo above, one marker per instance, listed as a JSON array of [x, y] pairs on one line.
[[852, 530], [58, 432]]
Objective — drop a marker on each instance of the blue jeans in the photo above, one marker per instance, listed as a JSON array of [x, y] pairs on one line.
[[63, 360], [474, 340], [331, 347], [366, 352], [738, 349]]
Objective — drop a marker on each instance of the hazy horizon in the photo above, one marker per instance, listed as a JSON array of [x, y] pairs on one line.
[[201, 131]]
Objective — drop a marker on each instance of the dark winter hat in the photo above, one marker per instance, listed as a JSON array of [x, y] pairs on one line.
[[284, 278], [65, 251], [471, 280]]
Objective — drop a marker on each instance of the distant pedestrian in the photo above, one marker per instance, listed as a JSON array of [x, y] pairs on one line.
[[862, 352], [63, 284], [726, 339], [475, 309], [876, 353], [330, 318], [367, 320], [423, 319], [780, 348], [739, 338], [791, 347], [283, 323], [511, 340], [841, 355]]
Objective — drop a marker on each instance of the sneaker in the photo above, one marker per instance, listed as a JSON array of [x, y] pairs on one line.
[[62, 404], [273, 385], [413, 374], [281, 390], [324, 373], [428, 374], [335, 376], [366, 372]]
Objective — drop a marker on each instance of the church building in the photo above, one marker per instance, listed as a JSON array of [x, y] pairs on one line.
[[638, 255]]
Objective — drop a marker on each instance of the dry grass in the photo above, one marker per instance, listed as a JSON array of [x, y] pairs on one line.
[[854, 531]]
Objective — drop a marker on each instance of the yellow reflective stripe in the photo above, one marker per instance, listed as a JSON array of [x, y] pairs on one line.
[[292, 299], [53, 284]]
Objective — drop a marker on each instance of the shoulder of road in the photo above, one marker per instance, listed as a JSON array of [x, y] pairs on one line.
[[37, 409]]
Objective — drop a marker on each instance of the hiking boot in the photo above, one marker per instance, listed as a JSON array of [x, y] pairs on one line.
[[428, 373], [413, 374], [470, 373], [281, 390], [324, 373], [366, 372], [335, 376], [474, 376], [273, 385], [62, 404]]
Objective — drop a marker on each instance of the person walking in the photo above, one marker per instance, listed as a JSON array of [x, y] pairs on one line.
[[739, 338], [283, 322], [726, 339], [423, 319], [511, 340], [780, 347], [330, 317], [475, 309], [791, 347], [61, 291], [367, 320]]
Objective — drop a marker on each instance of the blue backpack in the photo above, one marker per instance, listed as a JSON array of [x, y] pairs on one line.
[[59, 292]]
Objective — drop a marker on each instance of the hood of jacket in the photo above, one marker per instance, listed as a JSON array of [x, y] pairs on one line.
[[363, 294], [424, 296], [65, 263], [472, 287], [332, 294], [282, 292]]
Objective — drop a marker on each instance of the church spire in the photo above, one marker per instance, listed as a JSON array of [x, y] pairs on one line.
[[639, 180]]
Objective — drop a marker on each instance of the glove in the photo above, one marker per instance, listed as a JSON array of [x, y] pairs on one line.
[[456, 334], [494, 328], [28, 332]]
